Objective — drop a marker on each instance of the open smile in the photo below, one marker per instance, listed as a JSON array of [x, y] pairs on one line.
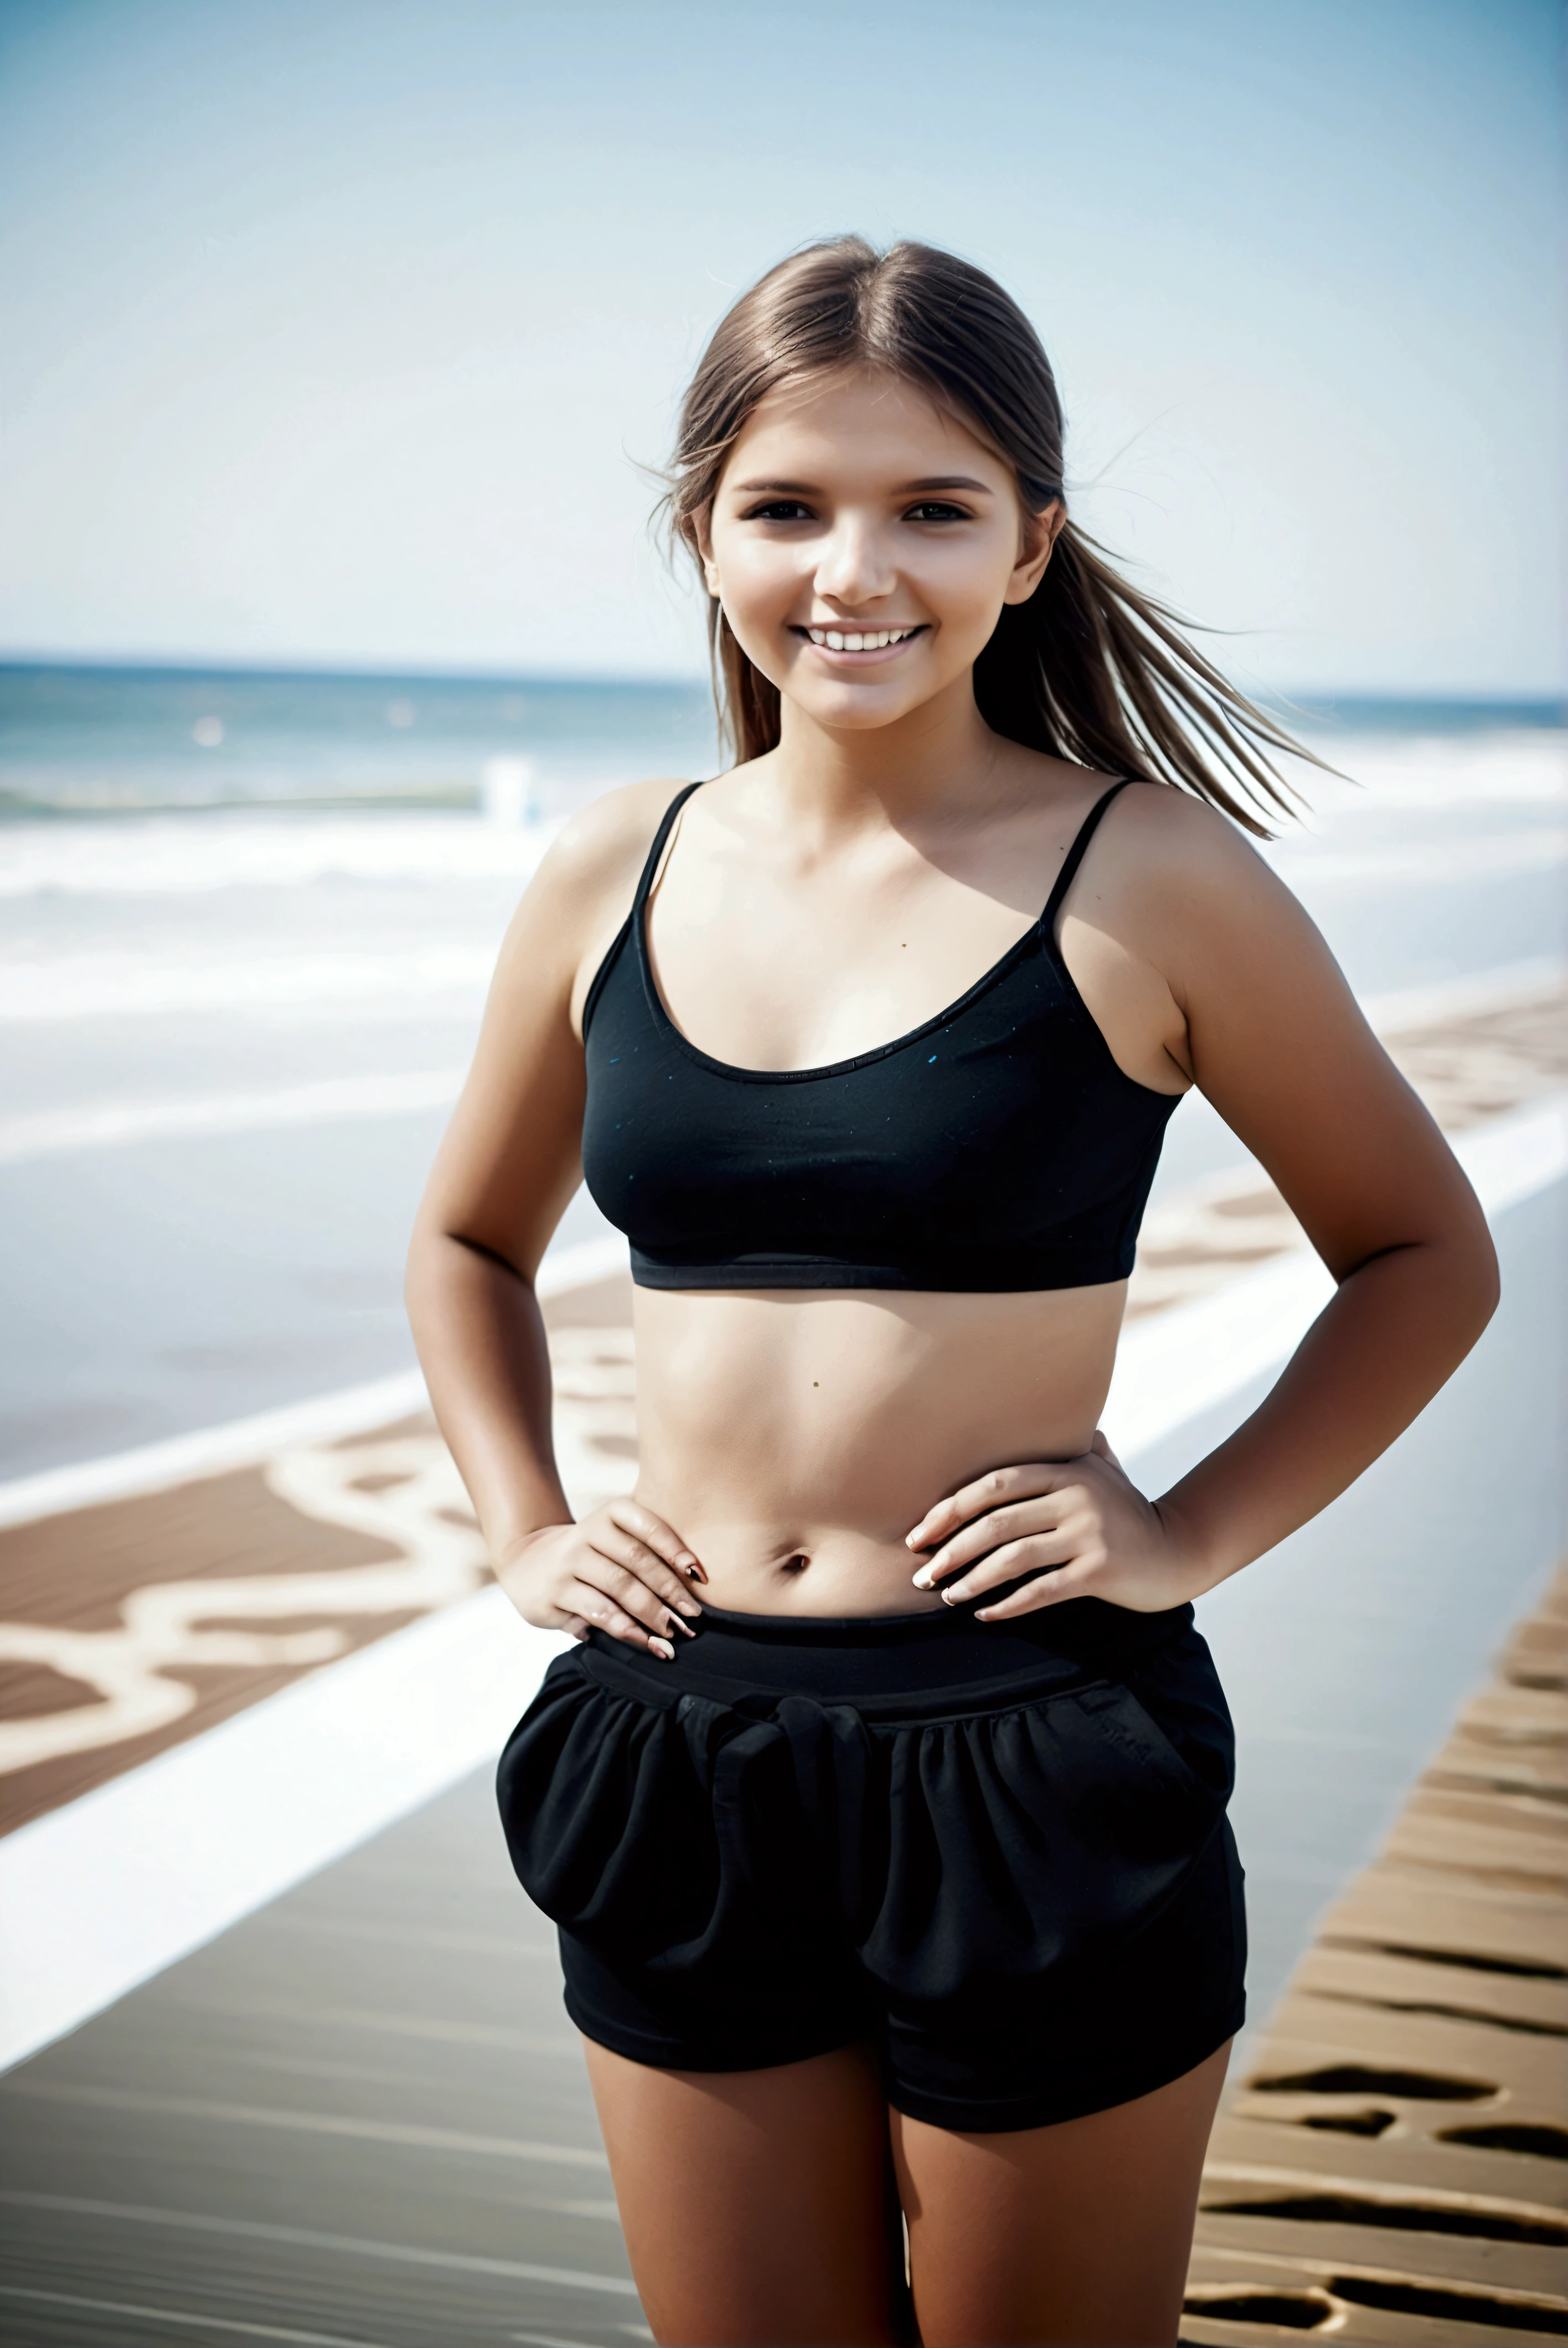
[[859, 645]]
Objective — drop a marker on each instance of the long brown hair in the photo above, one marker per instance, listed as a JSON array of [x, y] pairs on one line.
[[1089, 669]]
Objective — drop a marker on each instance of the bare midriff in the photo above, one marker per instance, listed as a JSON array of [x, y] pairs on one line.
[[793, 1437]]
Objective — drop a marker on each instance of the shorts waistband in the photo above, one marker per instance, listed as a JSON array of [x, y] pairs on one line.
[[877, 1658]]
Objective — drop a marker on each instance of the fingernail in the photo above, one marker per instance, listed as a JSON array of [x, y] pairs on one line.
[[694, 1572], [685, 1629], [663, 1649], [684, 1558], [923, 1578], [688, 1606]]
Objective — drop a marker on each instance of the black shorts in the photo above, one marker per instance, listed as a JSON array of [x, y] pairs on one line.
[[997, 1852]]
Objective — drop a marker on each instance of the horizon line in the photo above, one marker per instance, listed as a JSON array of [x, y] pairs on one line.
[[1329, 698]]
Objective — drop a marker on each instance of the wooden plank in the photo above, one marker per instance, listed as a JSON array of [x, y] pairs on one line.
[[1541, 2272], [1401, 2143], [1252, 2133], [1497, 1856], [1490, 1810], [1515, 1716], [1304, 2286], [1312, 2034], [1395, 1908], [1406, 1984], [360, 2113]]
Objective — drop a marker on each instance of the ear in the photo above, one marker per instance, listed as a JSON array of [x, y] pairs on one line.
[[701, 540], [1036, 539]]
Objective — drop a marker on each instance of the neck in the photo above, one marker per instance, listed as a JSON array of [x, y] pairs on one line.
[[937, 757]]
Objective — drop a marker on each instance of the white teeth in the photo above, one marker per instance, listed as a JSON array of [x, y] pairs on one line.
[[863, 640]]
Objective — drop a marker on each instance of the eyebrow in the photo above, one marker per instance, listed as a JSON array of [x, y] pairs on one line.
[[907, 488]]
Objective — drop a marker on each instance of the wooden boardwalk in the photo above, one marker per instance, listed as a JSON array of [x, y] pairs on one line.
[[1394, 2167], [360, 2118]]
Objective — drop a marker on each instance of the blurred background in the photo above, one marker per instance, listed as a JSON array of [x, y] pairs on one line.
[[340, 340], [342, 345]]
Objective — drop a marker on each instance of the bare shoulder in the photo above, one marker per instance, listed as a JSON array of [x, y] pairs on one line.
[[1173, 871], [602, 847], [587, 875], [1159, 829]]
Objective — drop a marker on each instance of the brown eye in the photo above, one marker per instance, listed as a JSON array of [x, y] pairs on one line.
[[782, 509], [934, 509]]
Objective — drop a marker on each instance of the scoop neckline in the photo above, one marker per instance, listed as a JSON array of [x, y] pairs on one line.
[[1034, 934], [1041, 932]]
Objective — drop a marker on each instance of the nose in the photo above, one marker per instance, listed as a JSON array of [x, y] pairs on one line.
[[854, 566]]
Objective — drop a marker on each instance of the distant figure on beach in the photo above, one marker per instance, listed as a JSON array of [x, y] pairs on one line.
[[882, 1805]]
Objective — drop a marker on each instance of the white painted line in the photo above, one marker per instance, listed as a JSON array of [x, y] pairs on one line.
[[1469, 996], [1509, 1158], [1176, 1364], [324, 1419], [210, 1450], [103, 1893], [117, 1885]]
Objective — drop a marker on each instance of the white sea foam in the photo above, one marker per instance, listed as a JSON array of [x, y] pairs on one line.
[[109, 1125], [181, 856], [1484, 856], [125, 985], [1414, 771]]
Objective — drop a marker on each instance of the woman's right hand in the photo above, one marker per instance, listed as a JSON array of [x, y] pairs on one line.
[[622, 1569]]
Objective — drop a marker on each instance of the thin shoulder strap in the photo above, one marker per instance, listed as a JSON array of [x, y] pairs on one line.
[[1074, 857], [632, 925], [660, 841]]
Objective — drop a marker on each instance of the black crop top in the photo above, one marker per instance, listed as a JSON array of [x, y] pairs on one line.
[[995, 1147]]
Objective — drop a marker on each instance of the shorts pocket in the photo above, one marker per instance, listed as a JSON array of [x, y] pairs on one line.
[[1029, 1842], [607, 1826]]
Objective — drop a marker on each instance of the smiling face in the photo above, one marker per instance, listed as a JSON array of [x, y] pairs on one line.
[[863, 543]]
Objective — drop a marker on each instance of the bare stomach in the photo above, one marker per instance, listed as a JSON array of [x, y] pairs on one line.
[[793, 1437]]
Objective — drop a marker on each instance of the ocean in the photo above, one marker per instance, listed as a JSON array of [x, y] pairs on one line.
[[78, 742], [246, 925]]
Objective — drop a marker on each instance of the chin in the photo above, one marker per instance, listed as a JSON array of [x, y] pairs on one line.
[[859, 720]]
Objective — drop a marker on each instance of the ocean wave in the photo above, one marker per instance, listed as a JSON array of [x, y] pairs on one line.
[[126, 985], [182, 857]]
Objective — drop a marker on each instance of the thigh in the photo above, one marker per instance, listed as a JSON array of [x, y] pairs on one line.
[[751, 2201], [1078, 2233]]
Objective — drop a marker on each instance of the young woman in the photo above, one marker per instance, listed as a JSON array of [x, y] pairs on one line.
[[882, 1808]]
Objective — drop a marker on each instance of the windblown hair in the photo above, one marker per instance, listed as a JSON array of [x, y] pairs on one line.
[[1089, 669]]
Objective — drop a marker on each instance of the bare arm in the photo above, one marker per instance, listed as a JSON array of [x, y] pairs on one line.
[[1280, 1048], [1260, 1015], [505, 1172]]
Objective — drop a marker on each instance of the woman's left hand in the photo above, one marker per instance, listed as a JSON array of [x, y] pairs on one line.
[[1080, 1527]]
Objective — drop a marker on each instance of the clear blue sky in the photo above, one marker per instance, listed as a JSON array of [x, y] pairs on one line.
[[333, 330]]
